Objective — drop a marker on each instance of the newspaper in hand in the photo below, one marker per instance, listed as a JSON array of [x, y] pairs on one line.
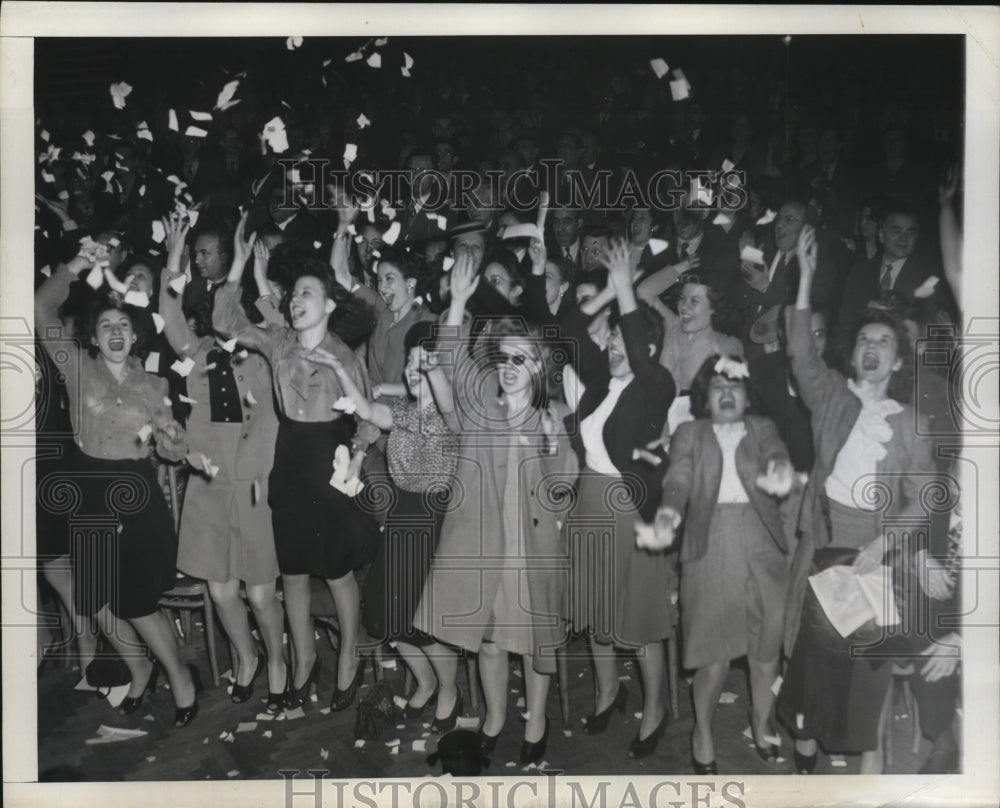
[[850, 600]]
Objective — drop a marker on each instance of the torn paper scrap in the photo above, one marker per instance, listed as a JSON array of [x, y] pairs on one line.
[[752, 254], [660, 67]]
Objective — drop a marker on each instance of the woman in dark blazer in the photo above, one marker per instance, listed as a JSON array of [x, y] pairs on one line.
[[619, 593], [726, 471]]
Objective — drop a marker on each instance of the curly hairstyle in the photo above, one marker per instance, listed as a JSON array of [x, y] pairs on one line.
[[901, 381], [98, 307], [725, 318], [703, 378], [410, 265], [353, 320]]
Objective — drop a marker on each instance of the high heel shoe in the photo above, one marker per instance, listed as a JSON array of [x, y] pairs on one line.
[[185, 715], [448, 724], [130, 704], [534, 751], [804, 764], [644, 747], [411, 713], [276, 701], [342, 699], [241, 693], [768, 753], [487, 743], [596, 723], [699, 767], [297, 696]]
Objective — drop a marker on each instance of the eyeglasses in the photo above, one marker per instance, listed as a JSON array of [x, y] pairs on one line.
[[513, 359]]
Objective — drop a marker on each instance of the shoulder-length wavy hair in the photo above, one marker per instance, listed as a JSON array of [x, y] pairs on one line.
[[517, 328]]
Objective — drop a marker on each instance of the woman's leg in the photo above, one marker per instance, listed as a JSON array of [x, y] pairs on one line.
[[606, 672], [707, 687], [156, 631], [536, 687], [298, 607], [126, 642], [494, 670], [444, 660], [271, 621], [873, 762], [422, 670], [762, 676], [233, 615], [59, 574], [652, 667], [347, 599]]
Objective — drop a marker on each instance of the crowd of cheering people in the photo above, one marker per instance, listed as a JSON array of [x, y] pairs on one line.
[[545, 415]]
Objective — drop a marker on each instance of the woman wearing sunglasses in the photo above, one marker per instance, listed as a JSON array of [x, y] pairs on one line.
[[495, 586]]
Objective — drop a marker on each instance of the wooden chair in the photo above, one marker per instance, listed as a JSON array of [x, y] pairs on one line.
[[188, 594]]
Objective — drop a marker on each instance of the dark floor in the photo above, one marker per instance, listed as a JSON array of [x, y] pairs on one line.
[[324, 740]]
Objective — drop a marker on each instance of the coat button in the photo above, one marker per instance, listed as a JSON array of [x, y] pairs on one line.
[[534, 522]]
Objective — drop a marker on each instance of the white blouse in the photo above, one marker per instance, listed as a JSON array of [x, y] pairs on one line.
[[592, 429], [731, 490], [865, 446]]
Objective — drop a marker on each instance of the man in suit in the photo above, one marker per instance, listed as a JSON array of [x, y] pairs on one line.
[[426, 199], [777, 281], [566, 224], [227, 176], [898, 269], [717, 257]]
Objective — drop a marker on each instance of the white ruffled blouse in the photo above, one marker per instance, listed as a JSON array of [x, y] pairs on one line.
[[865, 446]]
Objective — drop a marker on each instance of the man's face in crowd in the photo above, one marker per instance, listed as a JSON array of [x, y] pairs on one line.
[[565, 226], [568, 150], [591, 149], [208, 257], [788, 225], [527, 149], [593, 249], [232, 143], [422, 182], [898, 235]]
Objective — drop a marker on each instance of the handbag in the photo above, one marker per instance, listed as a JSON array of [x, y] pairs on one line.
[[108, 672], [375, 712]]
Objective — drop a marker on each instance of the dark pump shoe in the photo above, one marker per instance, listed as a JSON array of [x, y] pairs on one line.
[[130, 704], [596, 723], [534, 751], [242, 693], [185, 715]]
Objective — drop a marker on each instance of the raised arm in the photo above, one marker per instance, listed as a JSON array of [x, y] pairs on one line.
[[175, 328], [951, 235], [816, 381], [228, 317], [48, 326]]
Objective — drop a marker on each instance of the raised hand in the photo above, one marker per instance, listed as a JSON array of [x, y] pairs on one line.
[[616, 259], [537, 252], [175, 229], [870, 556], [242, 248], [464, 278], [946, 191], [261, 256], [806, 249]]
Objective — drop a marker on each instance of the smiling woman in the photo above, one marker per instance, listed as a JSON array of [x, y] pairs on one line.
[[115, 408]]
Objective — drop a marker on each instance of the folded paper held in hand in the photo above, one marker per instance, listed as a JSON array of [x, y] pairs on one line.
[[850, 600], [752, 254]]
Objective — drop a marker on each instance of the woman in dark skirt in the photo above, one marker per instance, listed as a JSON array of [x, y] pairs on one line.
[[870, 452], [619, 592], [421, 454], [123, 565], [319, 529]]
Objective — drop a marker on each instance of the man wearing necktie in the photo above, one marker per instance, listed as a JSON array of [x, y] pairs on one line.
[[898, 269]]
